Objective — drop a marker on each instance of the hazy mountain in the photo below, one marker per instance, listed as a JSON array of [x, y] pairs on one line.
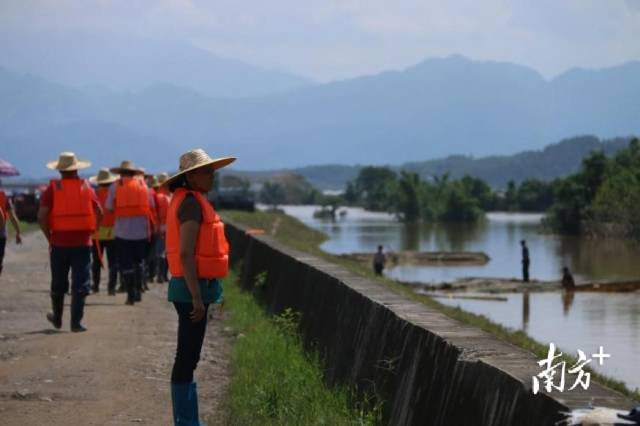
[[108, 61], [431, 110], [555, 160]]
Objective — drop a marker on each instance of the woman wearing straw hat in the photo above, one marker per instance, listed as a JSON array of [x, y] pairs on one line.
[[197, 253], [132, 203], [69, 213], [103, 238]]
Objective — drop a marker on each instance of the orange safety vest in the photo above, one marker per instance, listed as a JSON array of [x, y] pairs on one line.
[[72, 206], [132, 198], [108, 218], [162, 204], [212, 249]]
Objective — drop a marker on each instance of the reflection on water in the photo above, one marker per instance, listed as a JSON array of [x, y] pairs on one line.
[[498, 236], [574, 321], [570, 320]]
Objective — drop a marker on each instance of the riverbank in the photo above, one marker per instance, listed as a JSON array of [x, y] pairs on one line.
[[273, 380], [295, 234]]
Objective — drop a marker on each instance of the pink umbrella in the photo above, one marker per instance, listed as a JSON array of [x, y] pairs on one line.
[[8, 169]]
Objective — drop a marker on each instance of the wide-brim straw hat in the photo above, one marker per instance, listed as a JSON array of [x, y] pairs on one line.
[[162, 178], [103, 177], [127, 166], [197, 158], [67, 162]]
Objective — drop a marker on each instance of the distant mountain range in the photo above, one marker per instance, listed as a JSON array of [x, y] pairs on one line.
[[555, 160], [107, 62], [432, 110]]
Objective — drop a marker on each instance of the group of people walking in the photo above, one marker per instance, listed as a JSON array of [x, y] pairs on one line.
[[148, 227], [120, 218]]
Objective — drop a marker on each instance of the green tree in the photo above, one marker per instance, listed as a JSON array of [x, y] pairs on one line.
[[534, 195], [375, 186], [408, 204], [272, 194]]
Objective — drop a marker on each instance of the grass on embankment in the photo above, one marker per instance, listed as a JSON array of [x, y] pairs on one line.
[[295, 234], [273, 380]]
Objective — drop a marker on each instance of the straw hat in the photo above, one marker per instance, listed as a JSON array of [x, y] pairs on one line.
[[104, 177], [153, 181], [162, 178], [67, 162], [197, 158], [127, 166]]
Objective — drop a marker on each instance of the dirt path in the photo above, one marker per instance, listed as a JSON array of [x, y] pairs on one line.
[[117, 373]]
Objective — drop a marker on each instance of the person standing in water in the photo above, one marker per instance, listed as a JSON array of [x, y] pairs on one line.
[[525, 261]]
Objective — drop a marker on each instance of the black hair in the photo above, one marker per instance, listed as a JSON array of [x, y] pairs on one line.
[[179, 182]]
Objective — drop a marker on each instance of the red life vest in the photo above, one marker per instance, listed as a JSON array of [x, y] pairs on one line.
[[132, 198], [72, 206], [108, 218], [4, 209], [162, 205], [212, 249]]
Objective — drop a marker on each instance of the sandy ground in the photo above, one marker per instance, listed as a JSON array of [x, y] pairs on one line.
[[116, 373]]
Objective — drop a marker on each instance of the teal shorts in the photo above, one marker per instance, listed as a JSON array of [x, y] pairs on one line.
[[210, 290]]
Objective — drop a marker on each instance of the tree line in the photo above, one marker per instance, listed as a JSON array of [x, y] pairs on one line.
[[602, 198]]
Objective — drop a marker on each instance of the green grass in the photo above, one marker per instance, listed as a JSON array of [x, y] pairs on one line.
[[25, 228], [273, 380], [295, 234]]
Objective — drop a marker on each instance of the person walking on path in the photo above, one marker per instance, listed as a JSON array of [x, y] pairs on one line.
[[68, 215], [163, 198], [379, 260], [151, 264], [103, 239], [525, 261], [7, 213], [197, 252], [132, 203]]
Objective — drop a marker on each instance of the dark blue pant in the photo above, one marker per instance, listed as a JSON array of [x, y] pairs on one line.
[[109, 254], [3, 243], [190, 338], [78, 259], [131, 256]]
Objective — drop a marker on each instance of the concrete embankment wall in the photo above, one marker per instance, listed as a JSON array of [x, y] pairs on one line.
[[431, 369]]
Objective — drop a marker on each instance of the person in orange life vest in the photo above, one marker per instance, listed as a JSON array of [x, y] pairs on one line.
[[7, 213], [163, 197], [133, 205], [151, 264], [103, 238], [197, 253], [68, 215]]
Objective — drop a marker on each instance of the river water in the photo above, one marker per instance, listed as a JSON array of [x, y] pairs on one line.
[[586, 321]]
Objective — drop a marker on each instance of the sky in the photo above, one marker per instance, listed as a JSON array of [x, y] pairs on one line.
[[339, 39]]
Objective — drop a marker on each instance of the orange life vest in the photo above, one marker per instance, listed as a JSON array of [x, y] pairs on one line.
[[132, 198], [162, 205], [72, 206], [212, 249], [108, 218]]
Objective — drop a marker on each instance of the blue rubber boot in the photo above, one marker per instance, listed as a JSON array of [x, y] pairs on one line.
[[184, 397], [193, 405]]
